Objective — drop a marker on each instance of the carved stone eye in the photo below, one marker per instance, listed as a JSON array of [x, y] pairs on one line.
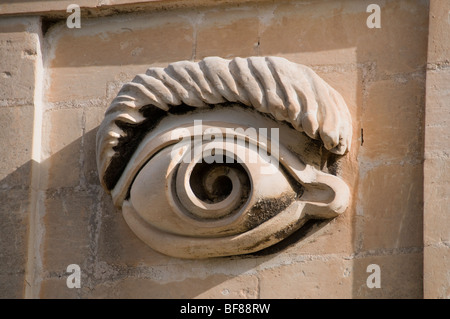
[[214, 177], [204, 186]]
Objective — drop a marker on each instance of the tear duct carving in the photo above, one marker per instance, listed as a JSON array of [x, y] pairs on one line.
[[241, 181]]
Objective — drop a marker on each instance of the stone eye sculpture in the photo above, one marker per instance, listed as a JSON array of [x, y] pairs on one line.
[[220, 157]]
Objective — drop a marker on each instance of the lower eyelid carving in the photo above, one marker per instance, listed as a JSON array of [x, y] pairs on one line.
[[187, 210]]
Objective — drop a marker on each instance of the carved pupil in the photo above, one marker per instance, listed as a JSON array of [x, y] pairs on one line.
[[210, 182]]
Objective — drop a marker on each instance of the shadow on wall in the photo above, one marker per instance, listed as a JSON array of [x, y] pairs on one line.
[[15, 201], [81, 226]]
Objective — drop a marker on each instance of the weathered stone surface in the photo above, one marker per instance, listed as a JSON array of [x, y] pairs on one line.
[[56, 288], [393, 123], [14, 210], [436, 271], [400, 276], [436, 230], [321, 238], [436, 218], [214, 286], [17, 134], [92, 119], [236, 287], [322, 277], [439, 38], [62, 131], [437, 119], [229, 35], [80, 69], [392, 207], [119, 245], [323, 27], [71, 222], [18, 52], [18, 57]]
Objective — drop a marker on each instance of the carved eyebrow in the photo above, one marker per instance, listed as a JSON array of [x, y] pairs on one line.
[[290, 92]]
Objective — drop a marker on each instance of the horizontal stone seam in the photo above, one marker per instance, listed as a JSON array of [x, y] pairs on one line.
[[104, 10], [438, 244], [158, 272], [437, 66]]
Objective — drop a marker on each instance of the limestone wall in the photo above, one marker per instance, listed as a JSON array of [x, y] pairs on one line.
[[56, 84]]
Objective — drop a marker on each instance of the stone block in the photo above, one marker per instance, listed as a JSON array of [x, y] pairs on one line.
[[392, 206], [322, 237], [13, 241], [12, 286], [392, 121], [437, 118], [123, 40], [19, 55], [228, 34], [119, 245], [214, 286], [238, 287], [80, 69], [436, 201], [56, 288], [439, 37], [71, 222], [63, 129], [436, 272], [16, 145], [400, 276], [320, 277], [399, 46]]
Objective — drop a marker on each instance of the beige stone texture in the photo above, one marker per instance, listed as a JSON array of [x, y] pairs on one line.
[[436, 230], [18, 56], [103, 7], [92, 116], [322, 27], [398, 221], [321, 277], [15, 171], [211, 287], [229, 35], [393, 121], [436, 271], [439, 38], [119, 245], [74, 213], [437, 120], [56, 288], [80, 69], [400, 275], [436, 224], [326, 237], [13, 236], [17, 122], [17, 71], [63, 149]]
